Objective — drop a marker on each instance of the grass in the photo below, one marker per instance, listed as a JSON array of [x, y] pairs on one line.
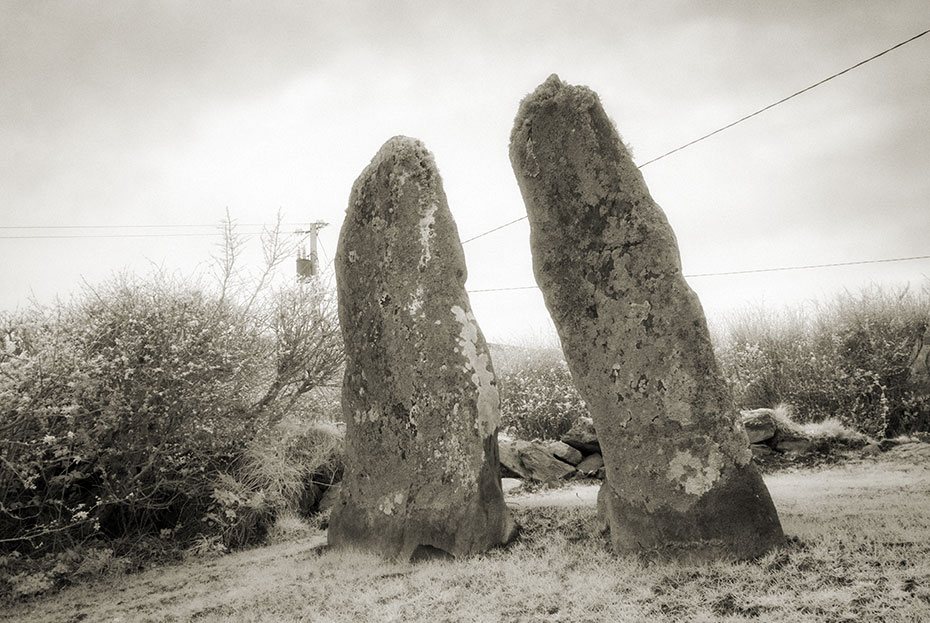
[[859, 551]]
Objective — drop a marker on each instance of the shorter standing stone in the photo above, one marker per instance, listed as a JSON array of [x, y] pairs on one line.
[[419, 397]]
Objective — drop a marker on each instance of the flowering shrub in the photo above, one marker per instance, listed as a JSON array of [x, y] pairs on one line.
[[851, 360], [121, 411], [538, 398]]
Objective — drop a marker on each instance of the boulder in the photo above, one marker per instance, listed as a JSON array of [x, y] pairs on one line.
[[759, 424], [564, 452], [509, 453], [533, 461], [419, 398], [760, 450], [329, 498], [582, 436], [541, 465], [680, 482], [591, 464]]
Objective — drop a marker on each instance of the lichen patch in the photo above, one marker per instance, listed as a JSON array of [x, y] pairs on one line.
[[369, 415], [488, 402], [389, 503], [425, 227], [694, 474]]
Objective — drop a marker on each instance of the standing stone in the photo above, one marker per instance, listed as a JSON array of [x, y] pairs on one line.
[[679, 479], [419, 397]]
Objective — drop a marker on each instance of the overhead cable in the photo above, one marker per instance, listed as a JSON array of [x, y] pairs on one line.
[[749, 271], [742, 119]]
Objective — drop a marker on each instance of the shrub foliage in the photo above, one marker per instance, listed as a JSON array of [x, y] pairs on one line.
[[538, 398], [852, 359], [125, 413]]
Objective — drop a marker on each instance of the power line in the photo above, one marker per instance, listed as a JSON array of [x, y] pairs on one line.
[[753, 270], [785, 99], [742, 119], [87, 236], [491, 231], [152, 226], [504, 289], [811, 266]]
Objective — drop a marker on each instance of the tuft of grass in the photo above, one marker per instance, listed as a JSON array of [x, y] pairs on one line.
[[289, 526]]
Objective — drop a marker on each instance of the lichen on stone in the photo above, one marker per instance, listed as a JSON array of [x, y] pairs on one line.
[[425, 226], [390, 502], [488, 399], [696, 475]]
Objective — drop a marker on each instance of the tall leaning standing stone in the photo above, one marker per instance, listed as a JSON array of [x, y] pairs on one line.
[[419, 397], [679, 481]]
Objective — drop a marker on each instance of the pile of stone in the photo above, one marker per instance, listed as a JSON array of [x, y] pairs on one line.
[[577, 455], [766, 437]]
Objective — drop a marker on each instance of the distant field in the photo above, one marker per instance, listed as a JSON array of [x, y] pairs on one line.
[[860, 551]]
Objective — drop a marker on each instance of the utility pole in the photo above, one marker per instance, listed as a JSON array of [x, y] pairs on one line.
[[308, 265]]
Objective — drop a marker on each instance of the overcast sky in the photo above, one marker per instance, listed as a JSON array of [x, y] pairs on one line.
[[168, 113]]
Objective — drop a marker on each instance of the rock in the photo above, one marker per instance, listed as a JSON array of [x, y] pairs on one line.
[[564, 452], [330, 496], [888, 444], [541, 465], [509, 454], [795, 446], [759, 424], [871, 449], [582, 436], [679, 478], [509, 484], [532, 461], [419, 397], [760, 450], [601, 474], [591, 464]]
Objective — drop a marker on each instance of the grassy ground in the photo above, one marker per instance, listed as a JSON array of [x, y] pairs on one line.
[[860, 551]]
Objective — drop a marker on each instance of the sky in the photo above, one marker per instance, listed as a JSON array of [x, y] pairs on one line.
[[115, 116]]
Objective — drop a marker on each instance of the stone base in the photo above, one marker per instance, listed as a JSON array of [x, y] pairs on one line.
[[736, 520], [427, 527]]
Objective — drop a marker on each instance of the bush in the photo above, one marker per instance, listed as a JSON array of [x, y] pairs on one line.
[[538, 398], [115, 407], [850, 359], [123, 410], [282, 473]]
